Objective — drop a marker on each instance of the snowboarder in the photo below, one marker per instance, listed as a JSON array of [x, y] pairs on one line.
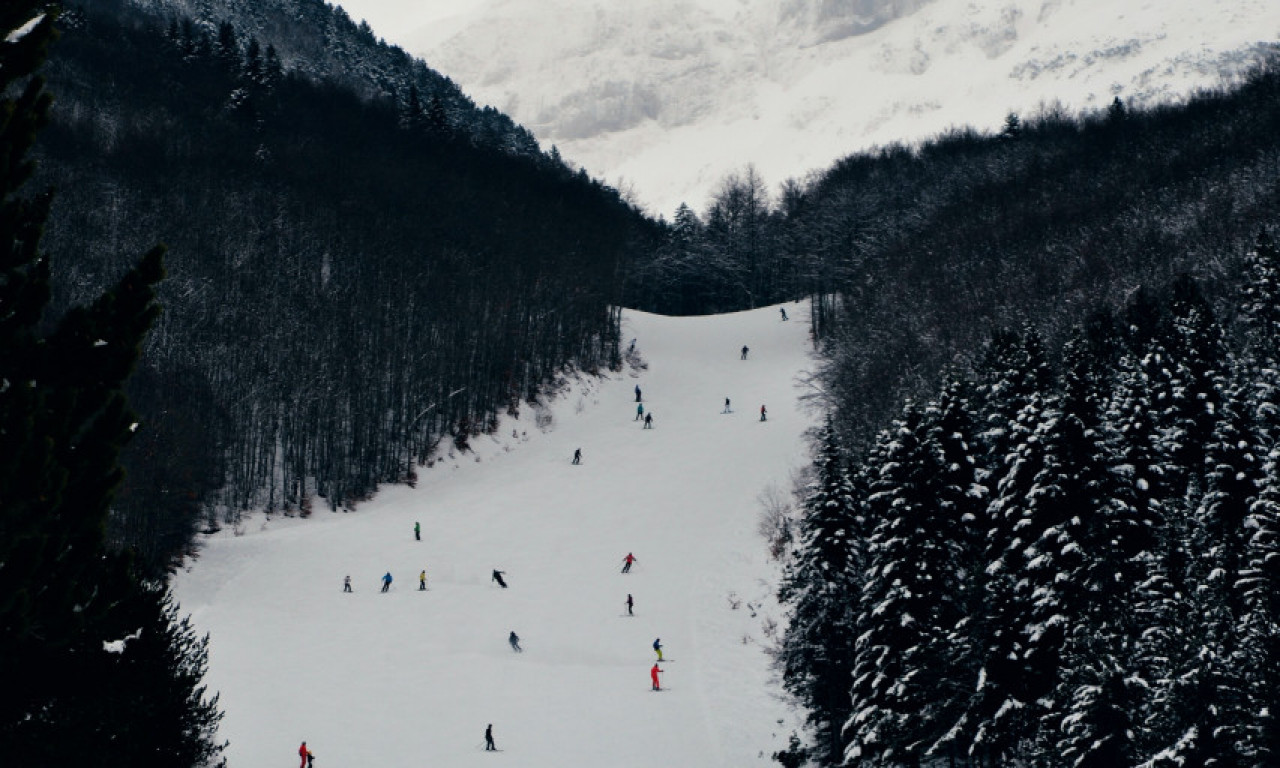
[[783, 310], [653, 675], [515, 642], [577, 455], [657, 648], [630, 605], [303, 752], [386, 581], [627, 561], [744, 351], [488, 739], [497, 576], [764, 415], [417, 531], [637, 393], [422, 581], [346, 583], [726, 406], [639, 411], [648, 421]]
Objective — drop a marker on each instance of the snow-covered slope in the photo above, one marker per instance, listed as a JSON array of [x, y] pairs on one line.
[[412, 678], [669, 95]]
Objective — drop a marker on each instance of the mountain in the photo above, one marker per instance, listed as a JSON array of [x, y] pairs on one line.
[[665, 97], [413, 678]]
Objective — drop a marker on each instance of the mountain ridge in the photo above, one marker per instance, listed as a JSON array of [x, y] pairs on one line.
[[668, 97]]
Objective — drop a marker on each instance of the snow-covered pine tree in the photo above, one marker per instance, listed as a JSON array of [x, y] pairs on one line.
[[1260, 629], [907, 683], [1234, 473], [1260, 301], [1098, 729], [1014, 367], [1188, 406], [962, 498], [1015, 380], [1260, 316], [820, 589], [1169, 404], [1101, 548]]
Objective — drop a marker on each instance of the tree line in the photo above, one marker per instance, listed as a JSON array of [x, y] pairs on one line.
[[1058, 558], [912, 254]]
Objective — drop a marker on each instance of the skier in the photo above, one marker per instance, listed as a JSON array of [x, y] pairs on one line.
[[637, 393], [657, 648], [726, 406], [422, 581], [303, 752], [497, 576], [417, 531], [630, 604], [744, 351], [639, 411], [515, 642], [627, 561], [653, 675], [764, 415], [648, 421], [311, 759], [577, 455], [346, 583], [386, 581], [783, 310], [488, 739]]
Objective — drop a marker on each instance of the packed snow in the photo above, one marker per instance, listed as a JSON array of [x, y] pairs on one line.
[[665, 97], [413, 678]]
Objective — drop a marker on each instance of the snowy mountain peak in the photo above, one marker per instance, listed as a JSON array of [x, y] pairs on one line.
[[670, 95]]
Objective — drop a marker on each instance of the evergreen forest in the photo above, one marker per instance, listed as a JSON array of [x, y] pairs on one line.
[[1056, 559]]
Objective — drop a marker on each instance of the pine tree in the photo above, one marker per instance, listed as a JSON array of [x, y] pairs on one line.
[[159, 713], [1083, 574], [63, 420], [907, 684], [1260, 629], [820, 589], [1260, 301], [1190, 403], [1017, 382], [1260, 316], [1098, 731]]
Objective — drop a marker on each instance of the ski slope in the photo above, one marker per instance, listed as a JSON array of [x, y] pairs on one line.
[[411, 678]]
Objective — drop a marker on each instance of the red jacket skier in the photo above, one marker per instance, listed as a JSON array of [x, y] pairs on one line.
[[653, 673], [303, 752]]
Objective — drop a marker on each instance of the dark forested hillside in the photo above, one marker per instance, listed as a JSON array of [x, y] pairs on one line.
[[1063, 561], [913, 254], [319, 41], [351, 280]]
